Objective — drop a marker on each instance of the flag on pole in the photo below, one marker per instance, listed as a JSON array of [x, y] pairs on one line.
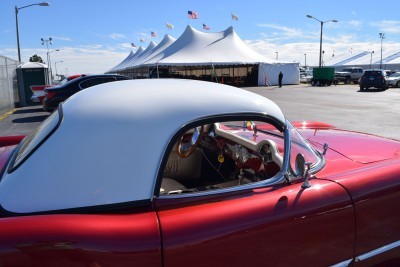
[[193, 15], [133, 45], [142, 40], [234, 17], [205, 27], [169, 26], [153, 34]]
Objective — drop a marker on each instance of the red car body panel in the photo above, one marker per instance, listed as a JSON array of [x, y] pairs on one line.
[[375, 191], [359, 147], [350, 209], [7, 146], [251, 228], [81, 240]]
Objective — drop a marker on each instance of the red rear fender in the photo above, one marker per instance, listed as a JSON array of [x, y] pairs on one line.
[[7, 146], [10, 140]]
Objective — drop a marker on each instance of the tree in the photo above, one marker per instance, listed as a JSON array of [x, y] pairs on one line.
[[36, 58]]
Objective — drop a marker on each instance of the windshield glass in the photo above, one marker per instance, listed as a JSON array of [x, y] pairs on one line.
[[63, 81], [299, 145], [396, 74]]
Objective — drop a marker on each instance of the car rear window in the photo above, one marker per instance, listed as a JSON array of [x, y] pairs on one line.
[[31, 142], [95, 81], [373, 73]]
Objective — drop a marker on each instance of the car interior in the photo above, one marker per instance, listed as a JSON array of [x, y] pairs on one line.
[[222, 155]]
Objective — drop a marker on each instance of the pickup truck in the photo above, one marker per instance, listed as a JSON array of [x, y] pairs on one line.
[[349, 75]]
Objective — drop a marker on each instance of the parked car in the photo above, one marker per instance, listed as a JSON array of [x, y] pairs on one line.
[[305, 77], [375, 78], [53, 96], [167, 172], [394, 79], [38, 90], [348, 75]]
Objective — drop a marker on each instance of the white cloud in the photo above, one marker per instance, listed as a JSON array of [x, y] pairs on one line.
[[6, 31], [117, 36], [355, 24], [387, 26], [62, 38], [284, 32]]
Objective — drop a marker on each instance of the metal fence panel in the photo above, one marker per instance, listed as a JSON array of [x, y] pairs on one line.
[[8, 84]]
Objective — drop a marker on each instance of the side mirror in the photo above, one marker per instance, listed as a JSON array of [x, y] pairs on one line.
[[303, 169], [300, 165]]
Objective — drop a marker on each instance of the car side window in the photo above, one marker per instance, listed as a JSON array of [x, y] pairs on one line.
[[35, 139], [225, 155]]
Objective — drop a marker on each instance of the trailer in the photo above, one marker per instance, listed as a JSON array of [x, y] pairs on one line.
[[323, 76]]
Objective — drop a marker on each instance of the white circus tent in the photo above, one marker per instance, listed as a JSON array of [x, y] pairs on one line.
[[216, 56]]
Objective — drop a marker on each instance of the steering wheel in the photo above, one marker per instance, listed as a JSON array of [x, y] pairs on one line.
[[185, 149]]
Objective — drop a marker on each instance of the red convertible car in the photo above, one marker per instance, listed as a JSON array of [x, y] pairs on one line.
[[169, 172]]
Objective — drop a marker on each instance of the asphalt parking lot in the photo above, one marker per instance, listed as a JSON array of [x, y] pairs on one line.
[[344, 106]]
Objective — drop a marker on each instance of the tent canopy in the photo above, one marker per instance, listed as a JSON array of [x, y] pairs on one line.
[[207, 55], [194, 47]]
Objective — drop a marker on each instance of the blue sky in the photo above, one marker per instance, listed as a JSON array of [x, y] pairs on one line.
[[94, 35]]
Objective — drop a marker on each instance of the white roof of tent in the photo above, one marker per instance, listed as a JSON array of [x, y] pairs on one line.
[[365, 58], [134, 61], [125, 63], [194, 47], [117, 67], [388, 57], [157, 52], [339, 57]]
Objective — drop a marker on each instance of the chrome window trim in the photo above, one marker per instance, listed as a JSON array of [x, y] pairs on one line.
[[369, 254]]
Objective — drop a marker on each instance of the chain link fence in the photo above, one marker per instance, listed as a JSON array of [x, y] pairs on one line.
[[8, 84]]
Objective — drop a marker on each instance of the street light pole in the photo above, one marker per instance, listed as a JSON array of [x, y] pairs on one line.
[[17, 9], [305, 60], [49, 62], [55, 65], [276, 55], [320, 39], [382, 36], [47, 41], [370, 62]]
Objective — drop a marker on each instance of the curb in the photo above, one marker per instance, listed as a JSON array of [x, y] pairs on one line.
[[5, 115]]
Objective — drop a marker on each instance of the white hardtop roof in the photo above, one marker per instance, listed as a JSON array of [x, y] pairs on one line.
[[110, 143]]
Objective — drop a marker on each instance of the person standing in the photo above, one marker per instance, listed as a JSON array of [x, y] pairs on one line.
[[280, 77]]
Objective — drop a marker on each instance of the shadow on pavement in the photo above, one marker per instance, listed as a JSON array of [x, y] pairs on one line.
[[371, 90], [30, 119], [28, 110]]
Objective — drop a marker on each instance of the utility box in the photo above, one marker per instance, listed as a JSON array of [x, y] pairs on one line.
[[323, 76], [31, 73]]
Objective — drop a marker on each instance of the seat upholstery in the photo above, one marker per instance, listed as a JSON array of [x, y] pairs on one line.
[[169, 185], [181, 169]]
